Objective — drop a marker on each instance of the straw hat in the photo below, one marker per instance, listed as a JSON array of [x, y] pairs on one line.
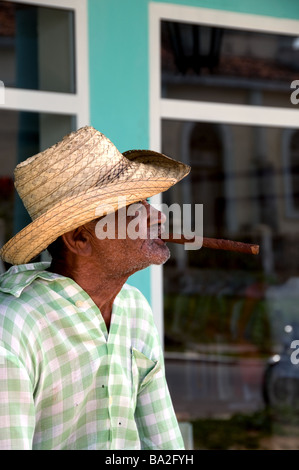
[[79, 179]]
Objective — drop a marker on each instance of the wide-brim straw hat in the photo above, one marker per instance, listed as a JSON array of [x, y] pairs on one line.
[[79, 179]]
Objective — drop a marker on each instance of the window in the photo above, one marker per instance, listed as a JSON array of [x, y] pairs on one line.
[[220, 101], [225, 65], [35, 43], [290, 151], [43, 62]]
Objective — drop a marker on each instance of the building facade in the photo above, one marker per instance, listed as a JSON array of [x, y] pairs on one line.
[[211, 83]]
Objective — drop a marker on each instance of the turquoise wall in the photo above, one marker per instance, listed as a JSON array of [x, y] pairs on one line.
[[119, 73]]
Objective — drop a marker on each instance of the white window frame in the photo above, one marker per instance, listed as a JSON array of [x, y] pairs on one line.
[[161, 108], [75, 104]]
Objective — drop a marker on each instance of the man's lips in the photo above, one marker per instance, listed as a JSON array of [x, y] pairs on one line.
[[159, 241]]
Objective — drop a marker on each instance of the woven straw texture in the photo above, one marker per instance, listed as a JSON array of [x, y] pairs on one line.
[[79, 179]]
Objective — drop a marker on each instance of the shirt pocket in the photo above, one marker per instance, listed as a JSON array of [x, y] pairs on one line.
[[143, 371]]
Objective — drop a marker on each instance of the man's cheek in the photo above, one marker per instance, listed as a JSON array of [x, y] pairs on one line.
[[137, 228]]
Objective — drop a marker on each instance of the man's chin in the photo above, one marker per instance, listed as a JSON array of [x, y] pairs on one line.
[[161, 254]]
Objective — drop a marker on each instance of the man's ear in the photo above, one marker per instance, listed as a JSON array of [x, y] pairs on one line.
[[78, 241]]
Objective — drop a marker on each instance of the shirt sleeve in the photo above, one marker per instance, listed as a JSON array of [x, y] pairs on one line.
[[17, 415]]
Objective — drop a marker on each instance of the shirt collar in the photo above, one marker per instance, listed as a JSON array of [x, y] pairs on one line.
[[17, 278]]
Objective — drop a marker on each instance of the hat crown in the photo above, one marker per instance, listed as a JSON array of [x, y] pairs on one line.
[[79, 179], [83, 160]]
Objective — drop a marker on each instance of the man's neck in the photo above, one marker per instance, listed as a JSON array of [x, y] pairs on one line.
[[100, 287]]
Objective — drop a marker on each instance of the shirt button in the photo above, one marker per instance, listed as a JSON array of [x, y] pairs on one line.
[[110, 401], [79, 303]]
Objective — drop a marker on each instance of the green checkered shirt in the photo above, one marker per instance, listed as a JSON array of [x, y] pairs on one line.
[[65, 382]]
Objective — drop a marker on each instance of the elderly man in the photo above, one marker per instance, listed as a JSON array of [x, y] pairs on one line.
[[81, 365]]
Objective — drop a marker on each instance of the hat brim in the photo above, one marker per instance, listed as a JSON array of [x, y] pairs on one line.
[[160, 174]]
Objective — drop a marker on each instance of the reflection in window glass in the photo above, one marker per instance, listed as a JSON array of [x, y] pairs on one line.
[[208, 63], [294, 168], [37, 47], [23, 134], [230, 318]]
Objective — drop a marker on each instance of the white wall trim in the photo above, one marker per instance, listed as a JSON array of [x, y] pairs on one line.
[[82, 63], [43, 101], [228, 113], [60, 103], [64, 4], [156, 273], [223, 18]]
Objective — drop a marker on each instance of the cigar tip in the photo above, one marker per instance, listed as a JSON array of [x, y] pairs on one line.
[[255, 249]]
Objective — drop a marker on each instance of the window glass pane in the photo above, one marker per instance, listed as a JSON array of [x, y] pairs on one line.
[[227, 65], [37, 47], [230, 318], [22, 135], [294, 168]]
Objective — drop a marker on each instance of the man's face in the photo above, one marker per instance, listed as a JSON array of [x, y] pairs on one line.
[[136, 245]]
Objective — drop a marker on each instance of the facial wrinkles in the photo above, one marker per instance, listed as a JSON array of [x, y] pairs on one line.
[[139, 250], [150, 219], [156, 254]]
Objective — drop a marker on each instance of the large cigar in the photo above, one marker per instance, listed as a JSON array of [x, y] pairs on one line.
[[215, 243]]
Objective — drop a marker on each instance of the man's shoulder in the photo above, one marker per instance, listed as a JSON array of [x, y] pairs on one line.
[[132, 289], [132, 293], [134, 302], [19, 297], [17, 278]]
